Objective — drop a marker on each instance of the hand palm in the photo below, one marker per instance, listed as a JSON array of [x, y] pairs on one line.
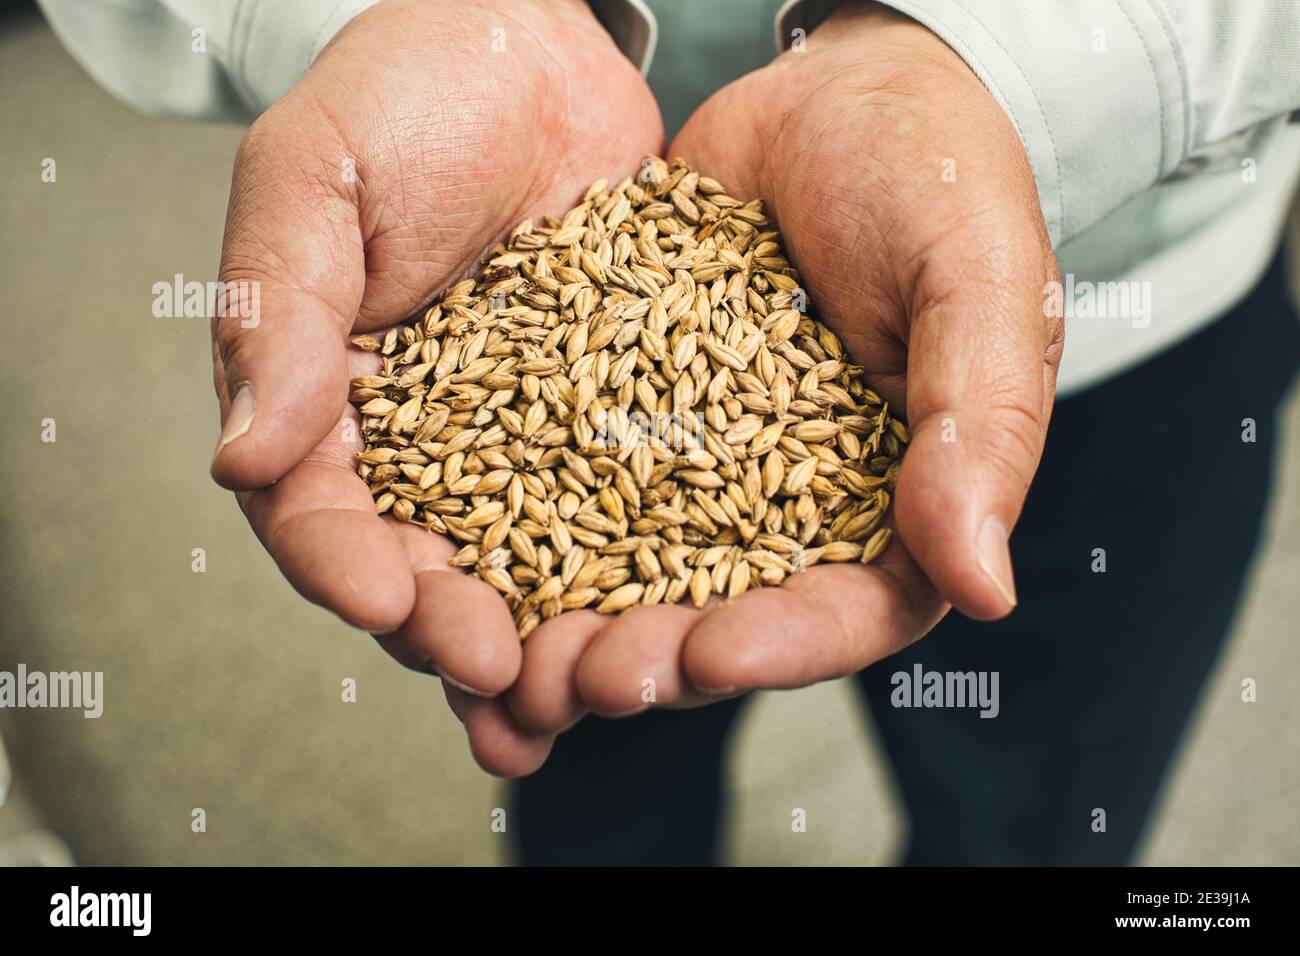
[[882, 252], [844, 155], [412, 144]]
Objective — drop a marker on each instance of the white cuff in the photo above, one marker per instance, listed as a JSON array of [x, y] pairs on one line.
[[633, 27]]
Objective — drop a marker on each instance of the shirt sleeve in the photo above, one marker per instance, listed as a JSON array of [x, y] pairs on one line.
[[200, 59], [231, 59], [1112, 96]]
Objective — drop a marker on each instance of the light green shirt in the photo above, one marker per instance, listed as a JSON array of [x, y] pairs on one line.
[[1157, 129]]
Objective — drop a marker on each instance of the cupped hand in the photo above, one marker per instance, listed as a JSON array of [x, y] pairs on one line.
[[421, 134], [906, 201]]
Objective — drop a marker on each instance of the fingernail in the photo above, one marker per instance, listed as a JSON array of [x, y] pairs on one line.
[[995, 557], [240, 419], [615, 715], [466, 688]]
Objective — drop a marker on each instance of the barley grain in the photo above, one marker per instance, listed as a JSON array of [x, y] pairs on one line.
[[625, 406]]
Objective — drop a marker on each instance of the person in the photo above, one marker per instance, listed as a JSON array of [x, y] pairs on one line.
[[957, 184]]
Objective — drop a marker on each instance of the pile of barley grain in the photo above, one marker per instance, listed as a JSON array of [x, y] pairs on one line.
[[627, 406]]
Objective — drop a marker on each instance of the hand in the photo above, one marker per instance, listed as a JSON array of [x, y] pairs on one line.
[[408, 148], [935, 285]]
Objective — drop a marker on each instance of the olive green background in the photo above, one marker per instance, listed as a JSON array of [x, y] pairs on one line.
[[224, 688]]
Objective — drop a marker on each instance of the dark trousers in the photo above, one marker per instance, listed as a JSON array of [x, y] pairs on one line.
[[1098, 672]]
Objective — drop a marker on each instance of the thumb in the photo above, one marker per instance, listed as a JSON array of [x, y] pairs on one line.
[[293, 273], [981, 377], [723, 140]]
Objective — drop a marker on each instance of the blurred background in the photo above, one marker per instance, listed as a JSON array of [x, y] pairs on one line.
[[224, 688]]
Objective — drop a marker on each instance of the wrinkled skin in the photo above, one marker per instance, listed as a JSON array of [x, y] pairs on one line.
[[934, 284], [452, 144], [936, 288]]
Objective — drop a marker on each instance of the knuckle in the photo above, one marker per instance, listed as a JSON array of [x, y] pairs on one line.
[[232, 344], [281, 155], [1012, 441]]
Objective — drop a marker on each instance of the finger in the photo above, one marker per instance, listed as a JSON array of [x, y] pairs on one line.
[[319, 525], [292, 262], [722, 137], [636, 662], [545, 695], [425, 551], [827, 622], [461, 628], [499, 745], [980, 380]]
